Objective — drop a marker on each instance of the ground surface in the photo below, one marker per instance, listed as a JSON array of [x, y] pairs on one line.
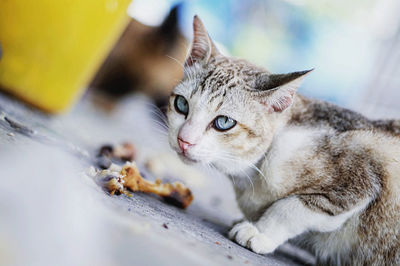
[[52, 214]]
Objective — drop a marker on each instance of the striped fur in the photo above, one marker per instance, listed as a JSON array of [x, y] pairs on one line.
[[306, 170]]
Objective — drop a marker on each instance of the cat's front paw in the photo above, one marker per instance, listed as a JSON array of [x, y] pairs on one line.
[[243, 232], [247, 235], [261, 244]]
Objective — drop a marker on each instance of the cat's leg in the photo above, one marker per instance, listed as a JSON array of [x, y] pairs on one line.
[[289, 217]]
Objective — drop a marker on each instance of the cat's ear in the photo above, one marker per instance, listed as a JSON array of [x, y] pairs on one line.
[[277, 90], [202, 46], [169, 29]]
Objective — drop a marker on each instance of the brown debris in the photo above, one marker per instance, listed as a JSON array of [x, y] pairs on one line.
[[126, 152], [176, 193], [120, 153], [114, 187]]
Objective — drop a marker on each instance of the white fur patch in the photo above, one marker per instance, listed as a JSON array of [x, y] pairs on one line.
[[286, 219]]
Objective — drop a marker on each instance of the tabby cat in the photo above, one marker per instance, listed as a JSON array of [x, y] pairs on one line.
[[302, 169]]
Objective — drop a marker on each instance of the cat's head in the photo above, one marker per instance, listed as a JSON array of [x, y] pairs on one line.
[[224, 111]]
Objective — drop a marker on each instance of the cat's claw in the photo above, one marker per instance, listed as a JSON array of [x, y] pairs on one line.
[[247, 235]]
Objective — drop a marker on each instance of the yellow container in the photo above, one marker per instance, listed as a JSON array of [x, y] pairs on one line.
[[52, 48]]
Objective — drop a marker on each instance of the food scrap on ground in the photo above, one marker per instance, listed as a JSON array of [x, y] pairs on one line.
[[123, 180], [108, 154]]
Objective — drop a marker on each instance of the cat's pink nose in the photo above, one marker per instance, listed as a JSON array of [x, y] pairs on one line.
[[184, 145]]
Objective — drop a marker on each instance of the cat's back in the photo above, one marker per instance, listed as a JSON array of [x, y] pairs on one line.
[[378, 139], [378, 225], [372, 236], [316, 113]]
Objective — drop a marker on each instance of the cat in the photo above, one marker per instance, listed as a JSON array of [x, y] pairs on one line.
[[302, 169], [144, 59]]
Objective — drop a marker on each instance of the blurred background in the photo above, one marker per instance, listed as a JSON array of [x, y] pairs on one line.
[[353, 45]]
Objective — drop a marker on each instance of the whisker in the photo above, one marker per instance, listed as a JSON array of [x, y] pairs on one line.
[[179, 63], [259, 171], [210, 167], [233, 179], [228, 156], [154, 110], [176, 60], [251, 182]]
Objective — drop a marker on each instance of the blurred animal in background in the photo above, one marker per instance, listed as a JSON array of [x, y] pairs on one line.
[[145, 59]]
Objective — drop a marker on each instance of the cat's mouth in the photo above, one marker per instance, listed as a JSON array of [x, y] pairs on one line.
[[186, 158]]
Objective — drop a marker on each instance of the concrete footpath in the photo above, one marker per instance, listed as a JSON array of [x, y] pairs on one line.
[[53, 214]]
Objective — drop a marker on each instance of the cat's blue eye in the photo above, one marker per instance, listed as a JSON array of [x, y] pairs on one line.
[[181, 105], [223, 123]]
